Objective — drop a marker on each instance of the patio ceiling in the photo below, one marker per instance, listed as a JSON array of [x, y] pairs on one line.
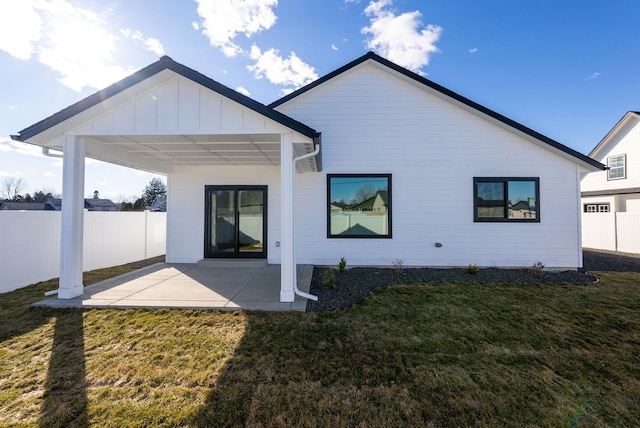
[[161, 153]]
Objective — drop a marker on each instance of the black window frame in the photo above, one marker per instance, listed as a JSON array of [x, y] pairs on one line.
[[389, 234], [598, 206], [505, 218], [624, 167]]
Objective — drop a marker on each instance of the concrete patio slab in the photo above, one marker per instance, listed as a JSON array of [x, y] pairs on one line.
[[227, 285]]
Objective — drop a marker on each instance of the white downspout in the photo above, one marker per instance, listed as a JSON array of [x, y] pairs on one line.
[[295, 277]]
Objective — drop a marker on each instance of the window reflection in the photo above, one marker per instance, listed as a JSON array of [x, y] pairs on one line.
[[359, 206], [506, 199]]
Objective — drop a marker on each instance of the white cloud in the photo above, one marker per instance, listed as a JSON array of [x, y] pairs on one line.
[[20, 28], [195, 25], [151, 44], [474, 50], [334, 47], [49, 174], [223, 20], [594, 76], [243, 91], [7, 145], [291, 71], [74, 42], [399, 37]]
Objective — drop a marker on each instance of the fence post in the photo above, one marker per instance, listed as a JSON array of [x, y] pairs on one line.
[[146, 233]]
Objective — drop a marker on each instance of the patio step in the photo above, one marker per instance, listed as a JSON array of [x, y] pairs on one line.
[[236, 263]]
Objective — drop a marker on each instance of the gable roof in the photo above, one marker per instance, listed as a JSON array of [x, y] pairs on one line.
[[612, 133], [99, 203], [163, 63], [370, 56], [22, 206]]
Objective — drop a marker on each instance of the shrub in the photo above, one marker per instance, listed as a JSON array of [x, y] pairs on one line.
[[329, 279], [472, 269], [398, 264], [342, 264], [537, 269]]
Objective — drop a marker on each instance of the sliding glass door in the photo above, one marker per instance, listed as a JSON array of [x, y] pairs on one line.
[[235, 221]]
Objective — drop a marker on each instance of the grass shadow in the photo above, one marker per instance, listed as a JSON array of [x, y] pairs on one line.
[[65, 397]]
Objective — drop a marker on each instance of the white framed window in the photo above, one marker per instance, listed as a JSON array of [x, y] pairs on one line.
[[597, 208], [617, 167]]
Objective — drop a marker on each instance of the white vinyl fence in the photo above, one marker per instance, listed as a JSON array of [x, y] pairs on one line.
[[30, 243], [611, 231]]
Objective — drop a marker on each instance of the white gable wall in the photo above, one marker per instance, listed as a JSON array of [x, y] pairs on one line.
[[372, 122], [179, 105], [625, 142]]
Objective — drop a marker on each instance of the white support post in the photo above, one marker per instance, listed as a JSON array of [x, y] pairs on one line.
[[287, 259], [71, 245]]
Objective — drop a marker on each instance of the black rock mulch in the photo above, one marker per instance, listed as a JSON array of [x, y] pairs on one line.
[[355, 284]]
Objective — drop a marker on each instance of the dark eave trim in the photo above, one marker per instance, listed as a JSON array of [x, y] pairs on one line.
[[612, 131], [163, 63], [611, 192], [518, 126]]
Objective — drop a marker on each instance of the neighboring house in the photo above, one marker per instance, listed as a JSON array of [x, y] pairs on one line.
[[90, 204], [21, 206], [611, 198], [97, 204], [159, 203], [53, 204], [246, 180]]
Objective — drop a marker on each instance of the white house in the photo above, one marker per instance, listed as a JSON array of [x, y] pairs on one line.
[[611, 198], [279, 182]]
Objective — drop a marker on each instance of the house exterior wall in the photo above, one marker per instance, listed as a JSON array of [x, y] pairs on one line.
[[619, 229], [625, 142], [374, 122], [186, 207]]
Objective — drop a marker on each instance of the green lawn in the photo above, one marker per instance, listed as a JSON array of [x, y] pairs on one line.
[[418, 354]]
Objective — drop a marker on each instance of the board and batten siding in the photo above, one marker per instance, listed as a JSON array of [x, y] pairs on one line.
[[173, 105], [373, 121]]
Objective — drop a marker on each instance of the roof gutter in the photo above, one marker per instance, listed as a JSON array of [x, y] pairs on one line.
[[45, 151]]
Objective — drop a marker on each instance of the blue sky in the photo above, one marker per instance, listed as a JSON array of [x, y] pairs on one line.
[[568, 69]]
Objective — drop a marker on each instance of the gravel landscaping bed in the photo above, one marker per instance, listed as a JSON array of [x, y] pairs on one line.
[[355, 284]]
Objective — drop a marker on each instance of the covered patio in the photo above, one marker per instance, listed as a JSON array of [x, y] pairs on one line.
[[209, 284], [169, 119]]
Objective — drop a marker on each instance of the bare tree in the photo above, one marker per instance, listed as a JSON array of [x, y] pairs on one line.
[[365, 192], [12, 186]]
